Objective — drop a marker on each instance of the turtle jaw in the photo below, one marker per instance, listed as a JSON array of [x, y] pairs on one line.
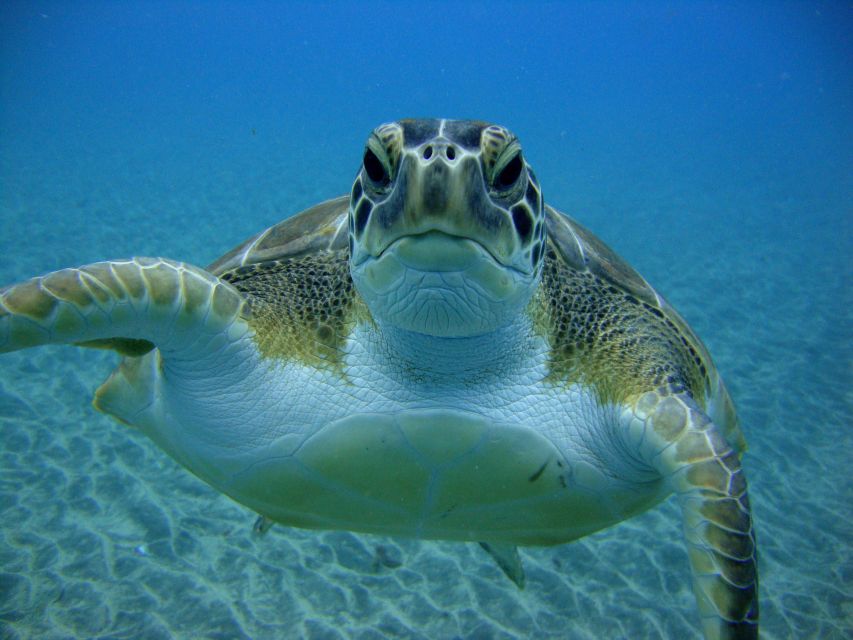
[[441, 285], [435, 250]]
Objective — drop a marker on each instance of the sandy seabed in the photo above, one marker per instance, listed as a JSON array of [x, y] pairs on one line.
[[104, 536]]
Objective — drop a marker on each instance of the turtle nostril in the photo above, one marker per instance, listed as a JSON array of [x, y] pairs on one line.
[[450, 153], [427, 153]]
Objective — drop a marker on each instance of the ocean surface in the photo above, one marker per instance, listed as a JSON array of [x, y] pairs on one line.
[[711, 144]]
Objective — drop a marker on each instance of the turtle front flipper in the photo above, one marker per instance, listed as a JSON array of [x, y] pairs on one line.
[[122, 304], [705, 472]]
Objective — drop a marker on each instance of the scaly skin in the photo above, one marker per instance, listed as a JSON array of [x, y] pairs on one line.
[[151, 299], [706, 473]]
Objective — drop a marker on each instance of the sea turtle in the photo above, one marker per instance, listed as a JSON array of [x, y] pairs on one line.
[[438, 355]]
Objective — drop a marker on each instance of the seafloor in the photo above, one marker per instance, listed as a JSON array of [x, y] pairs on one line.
[[103, 536]]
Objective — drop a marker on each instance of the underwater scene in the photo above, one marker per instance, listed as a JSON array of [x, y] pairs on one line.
[[710, 144]]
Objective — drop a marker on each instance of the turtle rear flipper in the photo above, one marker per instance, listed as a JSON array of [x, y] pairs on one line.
[[130, 389], [508, 559], [705, 472], [124, 304]]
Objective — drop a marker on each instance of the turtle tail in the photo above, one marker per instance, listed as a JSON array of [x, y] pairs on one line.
[[126, 305]]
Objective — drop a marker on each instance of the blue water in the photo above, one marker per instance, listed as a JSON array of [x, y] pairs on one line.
[[711, 144]]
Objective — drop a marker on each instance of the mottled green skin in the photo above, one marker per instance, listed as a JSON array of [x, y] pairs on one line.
[[303, 308]]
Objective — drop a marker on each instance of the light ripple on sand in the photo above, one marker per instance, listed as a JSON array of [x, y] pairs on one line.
[[103, 535]]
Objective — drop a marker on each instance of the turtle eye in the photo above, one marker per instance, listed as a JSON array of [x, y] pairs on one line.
[[374, 169], [510, 174]]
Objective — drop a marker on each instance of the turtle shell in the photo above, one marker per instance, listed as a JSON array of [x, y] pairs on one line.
[[582, 250], [323, 227]]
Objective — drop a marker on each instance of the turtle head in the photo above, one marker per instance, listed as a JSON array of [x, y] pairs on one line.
[[446, 227]]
